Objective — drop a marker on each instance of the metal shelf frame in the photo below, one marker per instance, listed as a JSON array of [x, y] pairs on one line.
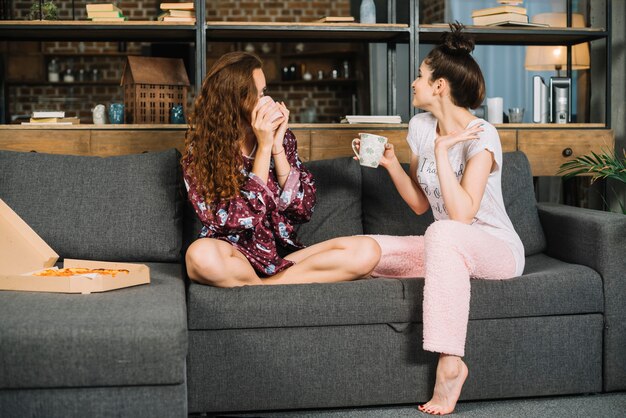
[[201, 33]]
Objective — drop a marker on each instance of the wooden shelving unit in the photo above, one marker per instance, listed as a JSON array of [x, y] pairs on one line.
[[527, 137], [503, 35], [71, 30]]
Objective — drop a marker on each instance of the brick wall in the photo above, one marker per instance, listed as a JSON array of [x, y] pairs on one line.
[[331, 100], [276, 11]]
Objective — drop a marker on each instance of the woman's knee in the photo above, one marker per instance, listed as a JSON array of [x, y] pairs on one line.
[[364, 254], [204, 262], [445, 231]]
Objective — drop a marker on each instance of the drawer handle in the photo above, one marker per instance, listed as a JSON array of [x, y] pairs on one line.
[[567, 152], [32, 150]]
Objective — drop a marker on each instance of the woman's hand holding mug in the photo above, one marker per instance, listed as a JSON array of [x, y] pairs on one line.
[[265, 119], [382, 151], [279, 135]]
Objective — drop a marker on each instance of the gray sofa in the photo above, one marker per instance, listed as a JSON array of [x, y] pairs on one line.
[[158, 351]]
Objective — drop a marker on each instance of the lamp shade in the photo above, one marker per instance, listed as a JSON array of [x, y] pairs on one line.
[[548, 58]]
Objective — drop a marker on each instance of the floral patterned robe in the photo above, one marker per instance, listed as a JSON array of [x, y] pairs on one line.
[[262, 215]]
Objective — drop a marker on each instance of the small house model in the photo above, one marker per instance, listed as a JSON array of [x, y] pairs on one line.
[[152, 86]]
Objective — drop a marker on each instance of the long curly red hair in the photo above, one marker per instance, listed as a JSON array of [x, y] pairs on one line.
[[219, 125]]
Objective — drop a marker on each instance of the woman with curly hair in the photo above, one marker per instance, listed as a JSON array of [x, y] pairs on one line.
[[248, 186], [455, 170]]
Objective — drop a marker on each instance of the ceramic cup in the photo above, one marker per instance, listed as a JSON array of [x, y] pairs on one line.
[[371, 149], [176, 114], [116, 113], [277, 114]]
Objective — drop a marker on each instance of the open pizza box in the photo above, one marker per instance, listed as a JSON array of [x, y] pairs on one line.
[[23, 253]]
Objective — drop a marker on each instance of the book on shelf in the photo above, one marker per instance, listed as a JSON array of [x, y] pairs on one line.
[[177, 6], [525, 24], [181, 13], [335, 19], [53, 121], [498, 10], [373, 119], [499, 19], [110, 13], [48, 114], [109, 19], [102, 7], [47, 123], [177, 19]]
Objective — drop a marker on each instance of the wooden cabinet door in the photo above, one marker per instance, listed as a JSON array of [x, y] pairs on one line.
[[333, 143], [49, 141], [548, 149], [121, 142], [303, 136], [508, 139]]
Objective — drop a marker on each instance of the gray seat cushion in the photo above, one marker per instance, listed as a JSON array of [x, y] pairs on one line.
[[338, 207], [125, 208], [538, 292], [131, 336]]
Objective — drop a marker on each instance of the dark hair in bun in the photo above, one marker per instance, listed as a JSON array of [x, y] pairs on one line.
[[456, 41], [452, 60]]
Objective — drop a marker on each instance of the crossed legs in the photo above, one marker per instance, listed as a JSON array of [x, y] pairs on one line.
[[217, 263]]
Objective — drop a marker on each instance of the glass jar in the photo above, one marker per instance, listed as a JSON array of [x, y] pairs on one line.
[[53, 71]]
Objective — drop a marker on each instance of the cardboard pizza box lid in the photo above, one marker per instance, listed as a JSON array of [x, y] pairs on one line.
[[21, 249]]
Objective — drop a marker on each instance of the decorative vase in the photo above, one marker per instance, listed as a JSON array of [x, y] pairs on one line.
[[368, 11]]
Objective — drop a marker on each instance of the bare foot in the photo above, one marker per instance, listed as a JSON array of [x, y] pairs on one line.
[[451, 374]]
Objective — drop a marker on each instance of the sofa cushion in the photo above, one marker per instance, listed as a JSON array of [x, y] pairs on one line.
[[131, 336], [539, 292], [518, 193], [338, 206], [125, 208], [384, 211]]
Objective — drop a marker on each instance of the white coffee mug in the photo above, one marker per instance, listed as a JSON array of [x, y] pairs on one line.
[[372, 149], [277, 114]]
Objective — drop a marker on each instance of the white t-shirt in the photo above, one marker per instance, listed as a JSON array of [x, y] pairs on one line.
[[491, 216]]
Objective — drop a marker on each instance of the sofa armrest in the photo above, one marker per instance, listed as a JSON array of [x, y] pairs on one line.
[[598, 240]]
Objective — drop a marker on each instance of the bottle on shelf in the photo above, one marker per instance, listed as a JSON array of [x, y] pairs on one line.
[[68, 75], [309, 112], [346, 69], [367, 11], [53, 71]]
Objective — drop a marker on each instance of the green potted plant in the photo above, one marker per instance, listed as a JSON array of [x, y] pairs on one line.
[[605, 165], [49, 11]]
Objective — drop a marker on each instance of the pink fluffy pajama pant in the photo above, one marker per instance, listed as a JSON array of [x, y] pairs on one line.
[[446, 256]]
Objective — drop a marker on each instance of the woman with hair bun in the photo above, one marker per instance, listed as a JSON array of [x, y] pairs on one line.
[[248, 186], [455, 169]]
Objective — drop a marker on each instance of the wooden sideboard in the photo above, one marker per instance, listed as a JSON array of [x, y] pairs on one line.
[[547, 146]]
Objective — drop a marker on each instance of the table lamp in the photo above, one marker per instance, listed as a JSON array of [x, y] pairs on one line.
[[546, 58]]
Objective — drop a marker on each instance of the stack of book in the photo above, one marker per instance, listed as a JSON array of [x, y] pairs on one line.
[[177, 12], [51, 118], [500, 16], [105, 12]]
